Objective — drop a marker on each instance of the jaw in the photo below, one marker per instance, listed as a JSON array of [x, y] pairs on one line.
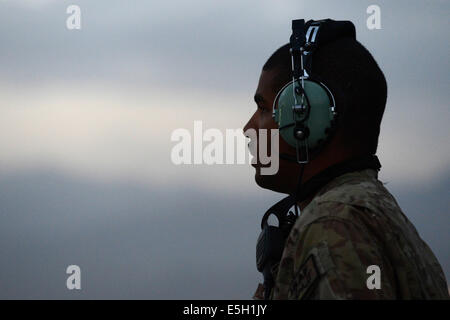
[[284, 181], [272, 182]]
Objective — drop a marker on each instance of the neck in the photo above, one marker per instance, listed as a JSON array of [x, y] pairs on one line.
[[327, 158]]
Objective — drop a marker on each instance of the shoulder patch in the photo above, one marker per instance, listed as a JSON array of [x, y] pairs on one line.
[[304, 278]]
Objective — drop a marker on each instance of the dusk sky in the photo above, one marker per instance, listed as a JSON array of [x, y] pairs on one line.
[[86, 118]]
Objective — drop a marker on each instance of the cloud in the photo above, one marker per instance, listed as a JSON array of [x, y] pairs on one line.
[[85, 124], [140, 241], [125, 134]]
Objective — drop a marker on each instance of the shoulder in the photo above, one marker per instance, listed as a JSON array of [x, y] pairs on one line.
[[346, 215], [350, 197], [336, 225], [360, 188], [336, 238], [330, 257]]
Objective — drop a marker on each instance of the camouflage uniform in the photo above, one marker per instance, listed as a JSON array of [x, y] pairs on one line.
[[353, 222]]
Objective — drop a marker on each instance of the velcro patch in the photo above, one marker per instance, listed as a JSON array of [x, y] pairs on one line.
[[303, 279]]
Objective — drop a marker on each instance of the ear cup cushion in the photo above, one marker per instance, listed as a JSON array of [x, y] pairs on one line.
[[318, 117]]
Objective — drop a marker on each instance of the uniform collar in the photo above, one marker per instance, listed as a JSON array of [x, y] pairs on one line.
[[314, 184]]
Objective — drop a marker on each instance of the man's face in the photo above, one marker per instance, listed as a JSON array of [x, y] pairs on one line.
[[285, 179]]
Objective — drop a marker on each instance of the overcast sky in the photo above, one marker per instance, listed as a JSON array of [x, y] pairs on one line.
[[86, 118]]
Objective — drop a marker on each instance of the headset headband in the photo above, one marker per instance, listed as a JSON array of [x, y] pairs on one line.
[[315, 33], [304, 40]]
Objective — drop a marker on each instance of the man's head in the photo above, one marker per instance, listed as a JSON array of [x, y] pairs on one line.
[[360, 91]]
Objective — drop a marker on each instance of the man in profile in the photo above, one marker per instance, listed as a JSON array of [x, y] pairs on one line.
[[351, 240]]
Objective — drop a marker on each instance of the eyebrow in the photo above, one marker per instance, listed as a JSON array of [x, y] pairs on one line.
[[258, 98]]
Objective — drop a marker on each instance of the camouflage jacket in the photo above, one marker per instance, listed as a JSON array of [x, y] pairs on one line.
[[352, 223]]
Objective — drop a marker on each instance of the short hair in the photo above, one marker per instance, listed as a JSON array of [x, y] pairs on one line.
[[356, 81]]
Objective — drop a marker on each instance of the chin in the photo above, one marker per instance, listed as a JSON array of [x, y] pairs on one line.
[[271, 182]]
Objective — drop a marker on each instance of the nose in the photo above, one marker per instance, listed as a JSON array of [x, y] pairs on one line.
[[249, 125]]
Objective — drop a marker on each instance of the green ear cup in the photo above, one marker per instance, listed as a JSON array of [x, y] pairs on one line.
[[318, 119]]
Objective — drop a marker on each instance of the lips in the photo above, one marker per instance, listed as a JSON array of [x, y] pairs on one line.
[[251, 148]]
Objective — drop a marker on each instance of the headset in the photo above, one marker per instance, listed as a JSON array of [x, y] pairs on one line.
[[306, 114], [305, 108]]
